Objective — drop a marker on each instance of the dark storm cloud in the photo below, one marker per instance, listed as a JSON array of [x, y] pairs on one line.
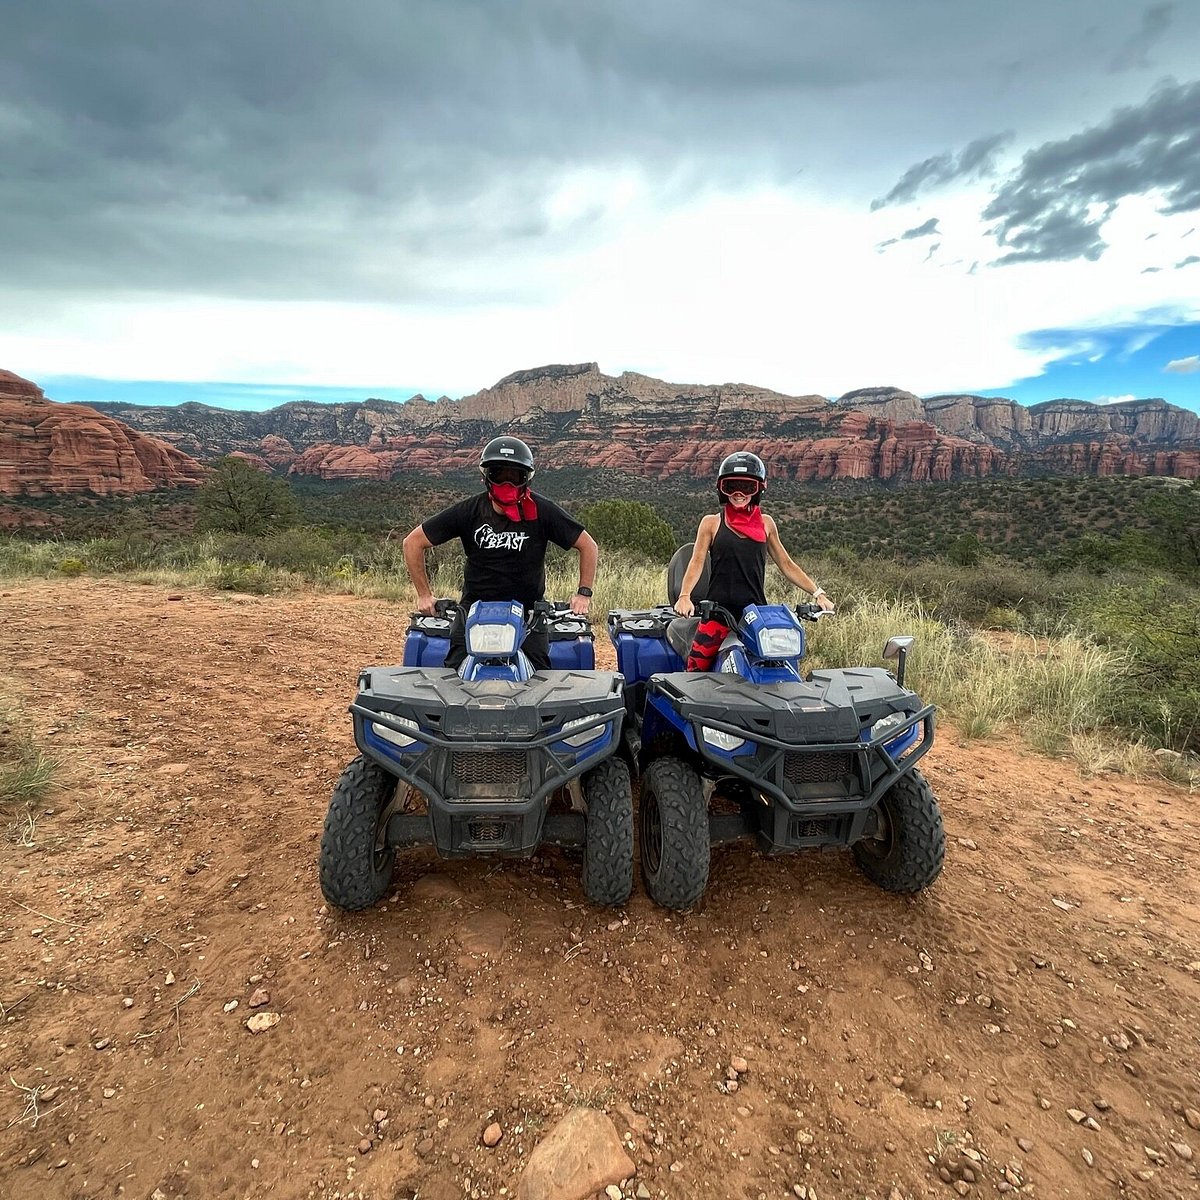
[[975, 160], [302, 148], [1134, 53], [1054, 204], [924, 230], [927, 229], [410, 152]]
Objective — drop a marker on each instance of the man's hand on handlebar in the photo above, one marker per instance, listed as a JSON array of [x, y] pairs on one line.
[[425, 603], [580, 604]]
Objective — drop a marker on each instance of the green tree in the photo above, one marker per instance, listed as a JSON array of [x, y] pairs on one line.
[[1174, 515], [966, 551], [239, 498], [629, 525]]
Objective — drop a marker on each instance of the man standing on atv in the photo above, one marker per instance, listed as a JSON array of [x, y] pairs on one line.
[[739, 538], [504, 532]]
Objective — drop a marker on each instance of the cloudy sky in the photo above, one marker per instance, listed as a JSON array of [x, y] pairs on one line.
[[297, 197]]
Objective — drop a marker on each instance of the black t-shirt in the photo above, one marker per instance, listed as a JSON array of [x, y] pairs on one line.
[[739, 566], [505, 559]]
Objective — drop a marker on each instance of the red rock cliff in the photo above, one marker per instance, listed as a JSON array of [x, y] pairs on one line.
[[48, 448]]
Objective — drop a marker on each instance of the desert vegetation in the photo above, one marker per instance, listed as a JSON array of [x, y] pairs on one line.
[[27, 773], [1087, 642]]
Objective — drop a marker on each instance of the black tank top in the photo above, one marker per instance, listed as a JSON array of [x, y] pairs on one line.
[[739, 566]]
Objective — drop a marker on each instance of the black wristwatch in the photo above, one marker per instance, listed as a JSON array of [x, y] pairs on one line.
[[584, 591]]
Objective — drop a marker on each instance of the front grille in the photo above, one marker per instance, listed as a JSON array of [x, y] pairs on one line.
[[488, 832], [822, 767], [818, 830], [503, 771]]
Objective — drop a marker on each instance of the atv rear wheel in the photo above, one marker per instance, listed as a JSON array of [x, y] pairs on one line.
[[356, 863], [673, 833], [907, 851], [608, 850]]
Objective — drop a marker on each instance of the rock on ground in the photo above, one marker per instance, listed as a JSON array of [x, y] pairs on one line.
[[580, 1156]]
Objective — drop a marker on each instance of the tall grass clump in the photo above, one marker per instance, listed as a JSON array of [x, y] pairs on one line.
[[27, 774], [1062, 684]]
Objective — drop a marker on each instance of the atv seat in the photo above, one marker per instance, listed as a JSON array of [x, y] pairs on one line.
[[681, 633], [677, 568]]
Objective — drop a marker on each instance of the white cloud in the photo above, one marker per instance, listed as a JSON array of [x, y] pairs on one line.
[[764, 286], [1184, 366], [1113, 399]]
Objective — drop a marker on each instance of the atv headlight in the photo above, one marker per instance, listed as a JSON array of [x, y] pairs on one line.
[[394, 735], [585, 735], [886, 724], [491, 639], [721, 739], [779, 643]]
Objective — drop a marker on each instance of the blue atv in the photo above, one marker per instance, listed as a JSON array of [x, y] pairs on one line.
[[756, 749], [491, 747]]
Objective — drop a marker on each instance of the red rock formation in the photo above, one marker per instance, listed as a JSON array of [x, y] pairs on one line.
[[48, 448], [576, 416], [255, 460], [279, 452]]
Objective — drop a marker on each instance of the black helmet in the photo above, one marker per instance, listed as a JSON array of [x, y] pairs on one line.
[[742, 465], [509, 451]]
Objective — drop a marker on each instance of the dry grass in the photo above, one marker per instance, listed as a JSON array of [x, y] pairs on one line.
[[27, 774], [1055, 689]]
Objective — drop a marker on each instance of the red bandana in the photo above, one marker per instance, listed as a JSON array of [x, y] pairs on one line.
[[517, 503], [747, 521]]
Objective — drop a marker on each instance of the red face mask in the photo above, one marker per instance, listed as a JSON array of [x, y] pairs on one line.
[[746, 521], [517, 503]]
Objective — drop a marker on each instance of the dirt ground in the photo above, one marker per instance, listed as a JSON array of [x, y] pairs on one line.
[[895, 1048]]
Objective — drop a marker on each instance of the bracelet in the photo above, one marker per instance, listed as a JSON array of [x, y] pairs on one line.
[[585, 592], [819, 592]]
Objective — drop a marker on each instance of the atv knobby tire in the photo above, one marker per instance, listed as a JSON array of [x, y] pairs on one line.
[[908, 854], [356, 864], [673, 833], [608, 850]]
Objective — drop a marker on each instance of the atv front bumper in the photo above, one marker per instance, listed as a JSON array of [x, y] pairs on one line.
[[812, 760], [487, 756]]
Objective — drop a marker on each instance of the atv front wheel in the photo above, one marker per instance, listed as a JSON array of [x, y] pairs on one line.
[[673, 833], [356, 864], [608, 850], [906, 852]]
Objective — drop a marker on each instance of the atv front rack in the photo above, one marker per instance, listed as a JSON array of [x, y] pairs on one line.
[[486, 755], [807, 756]]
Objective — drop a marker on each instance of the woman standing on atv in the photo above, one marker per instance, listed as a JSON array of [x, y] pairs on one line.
[[739, 538]]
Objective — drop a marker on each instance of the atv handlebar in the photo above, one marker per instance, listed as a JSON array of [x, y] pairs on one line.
[[812, 612], [540, 612], [707, 609]]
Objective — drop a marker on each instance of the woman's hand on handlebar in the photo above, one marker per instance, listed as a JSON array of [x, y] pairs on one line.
[[684, 606]]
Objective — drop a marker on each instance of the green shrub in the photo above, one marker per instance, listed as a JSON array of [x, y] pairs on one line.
[[71, 566], [1003, 618], [628, 525]]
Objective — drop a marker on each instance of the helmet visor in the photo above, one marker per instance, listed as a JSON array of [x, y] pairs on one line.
[[736, 486], [506, 473]]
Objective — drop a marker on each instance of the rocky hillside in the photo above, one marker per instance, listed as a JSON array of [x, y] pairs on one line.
[[48, 448], [577, 416]]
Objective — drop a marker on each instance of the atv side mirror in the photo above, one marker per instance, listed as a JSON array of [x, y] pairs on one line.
[[896, 650]]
